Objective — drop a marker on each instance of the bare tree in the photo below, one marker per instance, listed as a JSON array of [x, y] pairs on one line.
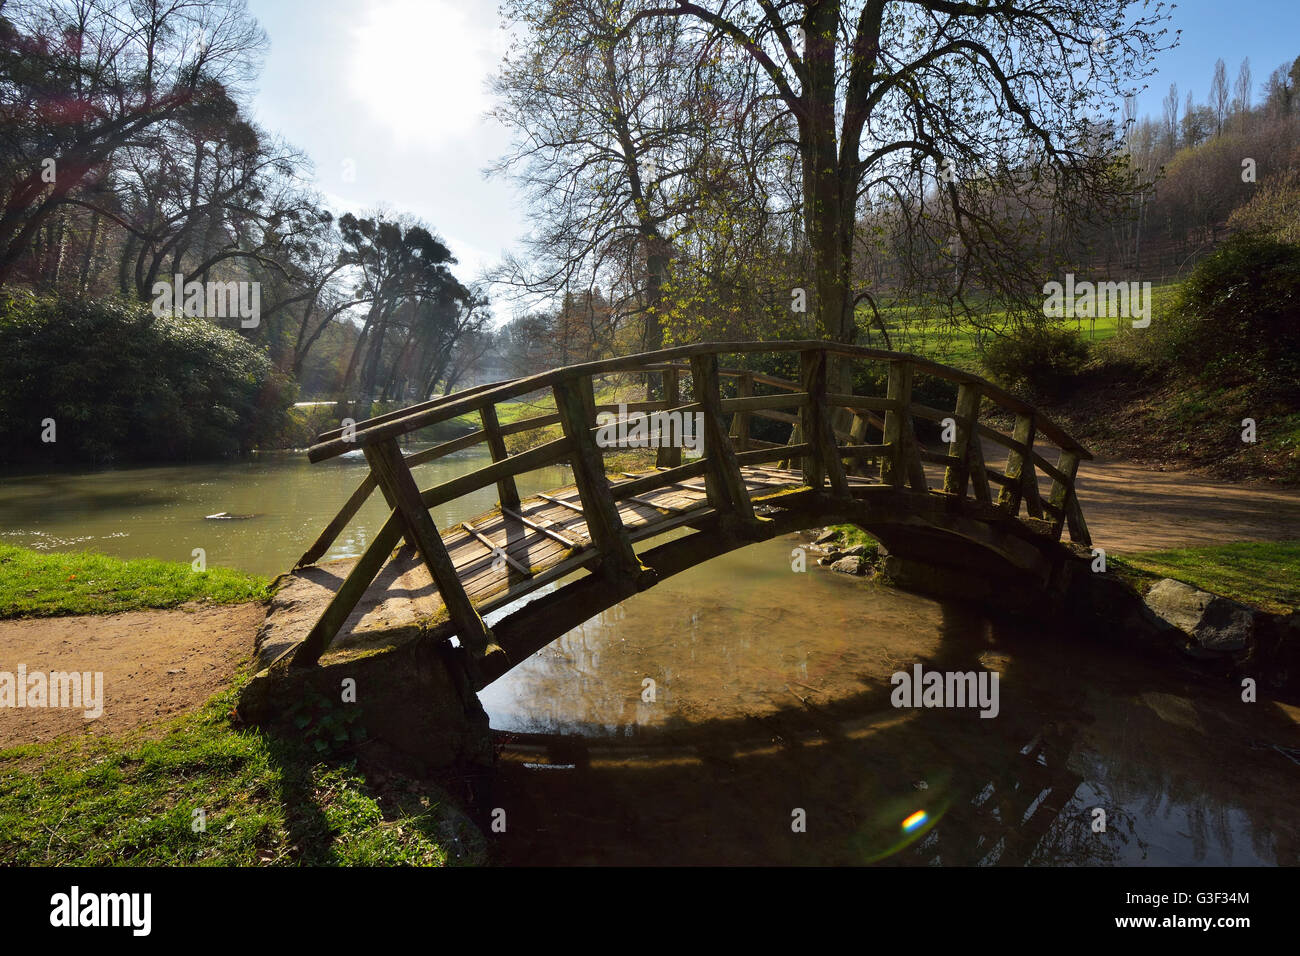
[[1241, 93], [1219, 95], [879, 89]]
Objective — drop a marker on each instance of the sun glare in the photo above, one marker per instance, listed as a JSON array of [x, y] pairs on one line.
[[418, 66]]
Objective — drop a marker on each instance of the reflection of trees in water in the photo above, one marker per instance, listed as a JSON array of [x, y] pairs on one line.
[[1013, 790]]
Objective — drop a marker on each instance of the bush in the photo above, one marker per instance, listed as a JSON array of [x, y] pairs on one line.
[[1238, 313], [124, 385], [1040, 359]]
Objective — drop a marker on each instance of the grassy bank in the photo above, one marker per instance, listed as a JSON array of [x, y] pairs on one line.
[[911, 330], [1263, 574], [50, 584], [265, 801]]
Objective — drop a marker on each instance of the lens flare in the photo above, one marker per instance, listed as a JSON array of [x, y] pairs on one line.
[[915, 820]]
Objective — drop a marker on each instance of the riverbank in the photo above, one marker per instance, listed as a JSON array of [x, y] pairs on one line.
[[206, 791], [168, 648]]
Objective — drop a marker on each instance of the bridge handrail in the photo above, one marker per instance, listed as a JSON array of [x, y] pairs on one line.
[[331, 444], [820, 449]]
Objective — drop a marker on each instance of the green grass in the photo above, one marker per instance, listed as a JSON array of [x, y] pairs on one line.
[[850, 536], [1264, 574], [957, 346], [39, 584], [266, 800]]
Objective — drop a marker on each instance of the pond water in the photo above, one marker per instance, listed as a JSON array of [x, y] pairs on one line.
[[770, 735]]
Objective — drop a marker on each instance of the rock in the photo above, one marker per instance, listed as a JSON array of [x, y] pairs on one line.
[[848, 566], [857, 551], [1216, 625], [827, 560], [827, 536]]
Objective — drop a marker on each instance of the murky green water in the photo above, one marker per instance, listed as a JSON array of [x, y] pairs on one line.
[[771, 736], [160, 512]]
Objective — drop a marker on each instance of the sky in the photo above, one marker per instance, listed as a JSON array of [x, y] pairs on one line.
[[388, 99]]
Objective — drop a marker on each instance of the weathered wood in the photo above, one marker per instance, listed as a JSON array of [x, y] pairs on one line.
[[497, 551], [1063, 503], [507, 493], [369, 432], [659, 479], [528, 424], [650, 502], [612, 527], [544, 529], [892, 466], [669, 456], [575, 402], [740, 420], [723, 482], [938, 458], [572, 506], [1074, 516], [979, 476], [550, 453], [395, 478], [863, 452], [778, 454], [956, 477], [1017, 463], [902, 465], [815, 421], [784, 417]]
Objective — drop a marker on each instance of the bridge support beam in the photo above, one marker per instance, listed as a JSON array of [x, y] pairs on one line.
[[399, 486]]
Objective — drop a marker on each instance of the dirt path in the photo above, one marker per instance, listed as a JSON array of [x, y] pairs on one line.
[[1132, 508], [155, 664]]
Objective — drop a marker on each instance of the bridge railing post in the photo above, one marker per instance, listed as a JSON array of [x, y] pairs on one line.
[[739, 433], [723, 482], [901, 465], [507, 491], [576, 403], [669, 456], [815, 422], [1021, 474], [1065, 505], [966, 415]]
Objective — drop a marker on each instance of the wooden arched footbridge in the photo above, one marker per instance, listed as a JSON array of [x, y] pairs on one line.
[[849, 457]]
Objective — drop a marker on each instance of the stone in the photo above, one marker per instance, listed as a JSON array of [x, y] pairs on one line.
[[848, 566], [1215, 625], [827, 536], [857, 551]]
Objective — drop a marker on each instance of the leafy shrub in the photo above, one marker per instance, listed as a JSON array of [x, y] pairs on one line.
[[124, 385], [1040, 359], [1238, 313]]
